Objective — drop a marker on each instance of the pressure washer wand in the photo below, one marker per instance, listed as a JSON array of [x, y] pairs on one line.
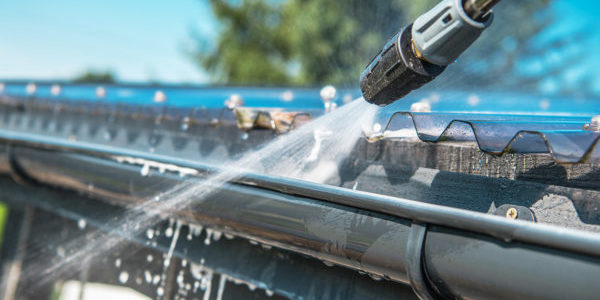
[[421, 51]]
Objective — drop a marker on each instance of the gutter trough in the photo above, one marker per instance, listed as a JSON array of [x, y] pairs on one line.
[[441, 252]]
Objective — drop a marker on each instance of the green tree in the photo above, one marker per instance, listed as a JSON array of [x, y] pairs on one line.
[[252, 47], [314, 42], [93, 76]]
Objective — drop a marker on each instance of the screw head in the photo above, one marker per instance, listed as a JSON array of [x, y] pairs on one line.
[[512, 213]]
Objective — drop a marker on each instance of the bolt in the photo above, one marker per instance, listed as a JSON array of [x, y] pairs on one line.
[[512, 213]]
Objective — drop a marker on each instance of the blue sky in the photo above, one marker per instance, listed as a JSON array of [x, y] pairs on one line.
[[139, 40], [145, 40]]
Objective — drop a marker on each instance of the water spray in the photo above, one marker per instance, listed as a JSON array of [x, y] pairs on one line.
[[421, 51]]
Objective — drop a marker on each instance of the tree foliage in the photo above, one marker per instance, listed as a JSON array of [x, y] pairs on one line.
[[93, 76], [314, 42]]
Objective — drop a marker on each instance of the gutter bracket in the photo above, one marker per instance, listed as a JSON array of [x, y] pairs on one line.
[[414, 262]]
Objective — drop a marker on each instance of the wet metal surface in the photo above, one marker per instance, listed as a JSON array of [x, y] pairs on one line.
[[365, 232], [564, 137], [56, 141], [563, 128]]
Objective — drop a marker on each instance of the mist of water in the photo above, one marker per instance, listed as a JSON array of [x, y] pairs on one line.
[[311, 152]]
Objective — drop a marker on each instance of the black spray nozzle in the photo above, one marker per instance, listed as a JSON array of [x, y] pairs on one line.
[[396, 71], [421, 51]]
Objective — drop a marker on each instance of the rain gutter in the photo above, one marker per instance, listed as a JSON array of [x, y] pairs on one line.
[[441, 252]]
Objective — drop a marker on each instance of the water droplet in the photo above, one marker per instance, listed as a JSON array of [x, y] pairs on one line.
[[160, 291], [118, 263], [328, 93], [55, 90], [30, 88], [100, 92], [81, 224], [148, 276], [269, 293], [375, 277], [287, 96], [185, 125], [123, 277], [169, 232], [217, 235], [180, 279], [150, 233], [155, 279], [145, 170], [328, 263], [244, 136], [376, 127], [149, 258], [160, 96], [544, 104]]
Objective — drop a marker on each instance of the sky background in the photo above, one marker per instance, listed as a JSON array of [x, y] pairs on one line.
[[149, 40], [138, 40]]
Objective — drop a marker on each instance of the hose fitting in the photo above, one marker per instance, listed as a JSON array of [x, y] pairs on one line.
[[421, 51]]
